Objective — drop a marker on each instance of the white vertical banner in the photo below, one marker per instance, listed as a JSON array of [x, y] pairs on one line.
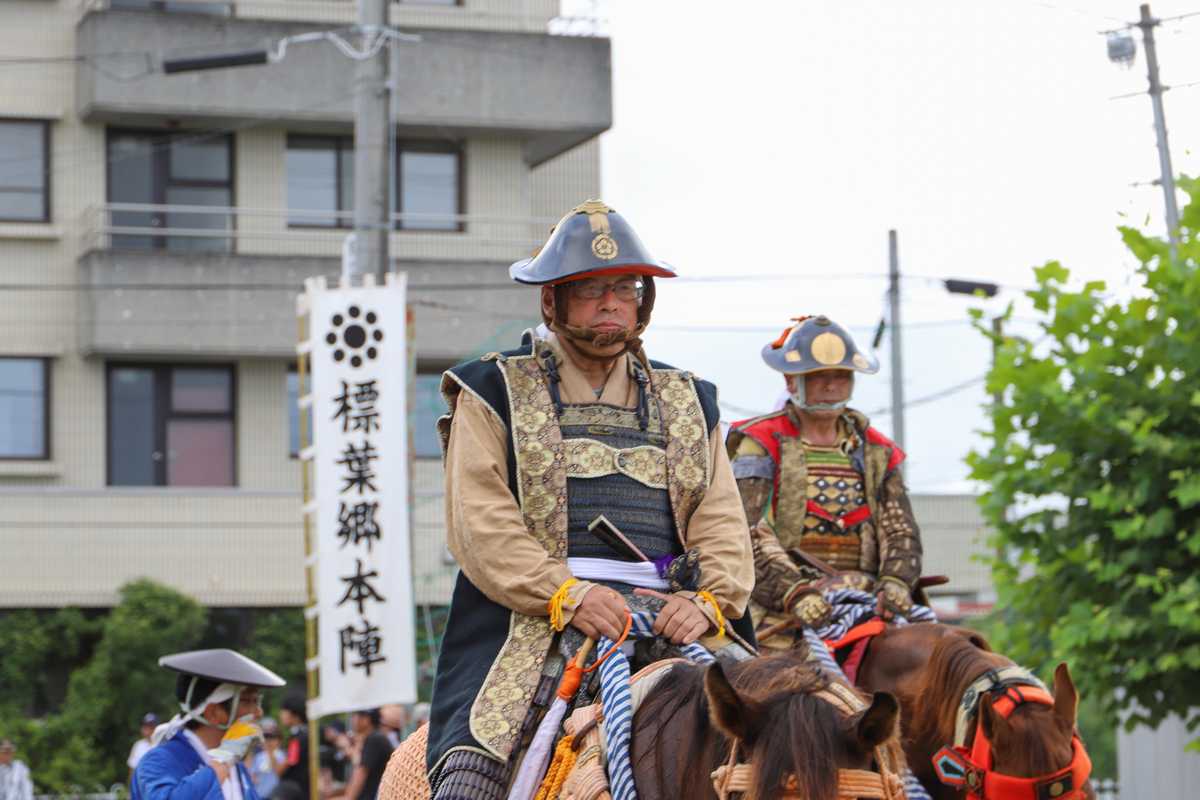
[[358, 352]]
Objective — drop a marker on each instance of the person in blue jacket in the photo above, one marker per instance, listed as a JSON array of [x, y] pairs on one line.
[[197, 755]]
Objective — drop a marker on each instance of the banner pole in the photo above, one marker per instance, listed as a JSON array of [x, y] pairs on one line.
[[312, 677]]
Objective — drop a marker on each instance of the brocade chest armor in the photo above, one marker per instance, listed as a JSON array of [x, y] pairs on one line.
[[616, 469]]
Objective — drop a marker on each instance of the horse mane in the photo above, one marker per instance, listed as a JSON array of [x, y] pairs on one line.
[[800, 732], [958, 659]]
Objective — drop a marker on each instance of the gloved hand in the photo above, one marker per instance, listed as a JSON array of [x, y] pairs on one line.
[[812, 609], [894, 598]]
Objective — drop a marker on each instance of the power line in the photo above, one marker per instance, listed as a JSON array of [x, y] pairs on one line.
[[930, 398], [1077, 11]]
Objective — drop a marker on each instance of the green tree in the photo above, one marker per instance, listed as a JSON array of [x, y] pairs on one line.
[[40, 649], [276, 640], [1094, 481], [86, 743]]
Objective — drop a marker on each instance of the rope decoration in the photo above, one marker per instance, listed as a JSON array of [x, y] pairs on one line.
[[719, 618], [557, 601]]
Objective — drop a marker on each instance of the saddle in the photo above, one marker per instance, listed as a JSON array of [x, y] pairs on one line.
[[405, 778]]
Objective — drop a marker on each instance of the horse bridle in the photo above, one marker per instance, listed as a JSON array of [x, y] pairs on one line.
[[971, 770], [853, 784]]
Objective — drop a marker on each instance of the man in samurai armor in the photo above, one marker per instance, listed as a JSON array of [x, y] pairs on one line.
[[582, 479], [198, 754], [821, 488]]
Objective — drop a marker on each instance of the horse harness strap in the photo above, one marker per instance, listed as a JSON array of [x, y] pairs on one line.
[[971, 770], [989, 681], [853, 784]]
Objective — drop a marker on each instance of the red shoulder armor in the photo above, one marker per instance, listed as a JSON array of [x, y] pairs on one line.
[[764, 430], [877, 438]]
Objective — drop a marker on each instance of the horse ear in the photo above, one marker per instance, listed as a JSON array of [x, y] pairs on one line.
[[989, 719], [1066, 698], [878, 723], [733, 716]]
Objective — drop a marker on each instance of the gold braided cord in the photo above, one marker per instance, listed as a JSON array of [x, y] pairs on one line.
[[560, 768], [557, 601], [707, 597]]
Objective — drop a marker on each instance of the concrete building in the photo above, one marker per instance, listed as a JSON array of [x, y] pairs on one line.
[[154, 231]]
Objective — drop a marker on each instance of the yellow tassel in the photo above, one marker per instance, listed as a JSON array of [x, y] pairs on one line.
[[560, 768], [555, 606], [712, 602]]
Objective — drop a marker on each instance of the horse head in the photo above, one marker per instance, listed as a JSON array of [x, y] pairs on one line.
[[787, 718], [1037, 740]]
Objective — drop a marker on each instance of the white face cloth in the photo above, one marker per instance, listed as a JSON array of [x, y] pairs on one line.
[[223, 693], [231, 787], [798, 397]]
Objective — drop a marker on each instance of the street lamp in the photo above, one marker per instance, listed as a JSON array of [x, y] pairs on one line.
[[373, 117], [974, 288], [1122, 48]]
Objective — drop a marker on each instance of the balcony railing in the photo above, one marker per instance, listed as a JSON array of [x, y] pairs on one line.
[[561, 17], [189, 229]]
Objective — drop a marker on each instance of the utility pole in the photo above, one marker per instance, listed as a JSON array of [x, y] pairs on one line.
[[1148, 23], [372, 156], [897, 358]]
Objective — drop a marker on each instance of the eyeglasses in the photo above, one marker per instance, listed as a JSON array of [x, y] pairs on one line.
[[626, 289]]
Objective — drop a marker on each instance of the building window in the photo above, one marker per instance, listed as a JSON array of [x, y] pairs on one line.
[[428, 177], [220, 9], [428, 406], [24, 408], [320, 178], [24, 171], [426, 187], [170, 426], [157, 169], [293, 409]]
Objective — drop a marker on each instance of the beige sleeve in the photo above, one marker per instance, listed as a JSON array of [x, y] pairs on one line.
[[718, 531], [485, 529]]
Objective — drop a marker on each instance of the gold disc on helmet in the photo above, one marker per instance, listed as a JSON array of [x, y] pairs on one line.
[[828, 348]]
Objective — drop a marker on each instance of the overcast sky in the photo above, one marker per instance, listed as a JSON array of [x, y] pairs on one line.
[[765, 149]]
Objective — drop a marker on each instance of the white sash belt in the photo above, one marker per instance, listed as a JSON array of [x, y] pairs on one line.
[[636, 573]]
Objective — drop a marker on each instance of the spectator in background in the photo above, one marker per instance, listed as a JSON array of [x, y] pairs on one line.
[[393, 720], [420, 715], [374, 749], [15, 783], [338, 753], [149, 723], [265, 761], [293, 771]]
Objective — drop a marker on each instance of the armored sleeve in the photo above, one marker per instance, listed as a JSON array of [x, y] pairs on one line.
[[777, 578], [899, 536], [755, 474]]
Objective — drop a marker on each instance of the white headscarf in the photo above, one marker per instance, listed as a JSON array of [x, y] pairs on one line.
[[223, 693]]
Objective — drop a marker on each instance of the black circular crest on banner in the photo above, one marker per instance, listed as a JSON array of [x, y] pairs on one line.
[[354, 336]]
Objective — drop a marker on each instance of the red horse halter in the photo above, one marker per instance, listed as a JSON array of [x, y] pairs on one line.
[[971, 770]]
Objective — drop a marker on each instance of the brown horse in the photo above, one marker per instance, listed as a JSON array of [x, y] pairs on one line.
[[774, 707], [777, 709], [928, 667]]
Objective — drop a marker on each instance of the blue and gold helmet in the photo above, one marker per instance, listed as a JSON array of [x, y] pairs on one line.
[[590, 240], [816, 343]]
